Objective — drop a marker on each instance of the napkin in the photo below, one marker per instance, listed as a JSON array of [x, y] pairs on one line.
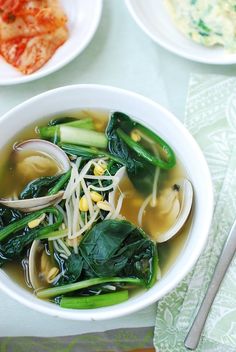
[[211, 118]]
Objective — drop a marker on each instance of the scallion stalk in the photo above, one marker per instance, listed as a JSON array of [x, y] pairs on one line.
[[89, 152], [82, 137], [97, 301], [74, 135], [54, 235], [22, 223], [49, 132], [58, 186], [87, 124], [60, 290]]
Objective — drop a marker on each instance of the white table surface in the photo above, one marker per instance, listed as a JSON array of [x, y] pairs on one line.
[[120, 55]]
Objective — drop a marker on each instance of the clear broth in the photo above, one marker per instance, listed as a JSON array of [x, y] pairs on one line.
[[168, 251]]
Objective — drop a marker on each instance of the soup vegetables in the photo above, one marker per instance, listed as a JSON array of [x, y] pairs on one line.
[[83, 251], [17, 235], [123, 137], [113, 251]]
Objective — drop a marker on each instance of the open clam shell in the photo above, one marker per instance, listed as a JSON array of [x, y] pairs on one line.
[[32, 204], [185, 190], [42, 271], [36, 250], [52, 150], [46, 147]]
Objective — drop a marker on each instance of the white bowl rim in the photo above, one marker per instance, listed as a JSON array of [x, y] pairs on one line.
[[230, 60], [116, 311], [45, 72]]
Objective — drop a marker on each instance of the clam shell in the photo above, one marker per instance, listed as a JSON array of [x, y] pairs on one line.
[[186, 190], [46, 147], [39, 265], [35, 250], [33, 204]]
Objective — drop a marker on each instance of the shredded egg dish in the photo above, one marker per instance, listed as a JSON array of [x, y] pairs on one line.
[[208, 22]]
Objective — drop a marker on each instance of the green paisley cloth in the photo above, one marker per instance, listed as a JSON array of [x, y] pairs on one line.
[[211, 118]]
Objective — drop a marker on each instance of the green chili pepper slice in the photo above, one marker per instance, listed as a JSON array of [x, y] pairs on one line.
[[143, 153]]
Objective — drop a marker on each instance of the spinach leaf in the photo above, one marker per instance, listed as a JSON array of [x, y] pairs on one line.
[[14, 247], [17, 235], [141, 261], [39, 187], [112, 248], [118, 248], [143, 179], [72, 269], [103, 240], [8, 215], [140, 172], [117, 146]]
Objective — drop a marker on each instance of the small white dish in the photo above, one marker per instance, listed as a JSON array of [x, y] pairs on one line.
[[153, 18], [83, 19]]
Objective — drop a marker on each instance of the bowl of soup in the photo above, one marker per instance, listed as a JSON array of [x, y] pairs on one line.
[[105, 202]]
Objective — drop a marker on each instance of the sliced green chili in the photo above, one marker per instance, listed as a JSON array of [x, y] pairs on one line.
[[143, 153]]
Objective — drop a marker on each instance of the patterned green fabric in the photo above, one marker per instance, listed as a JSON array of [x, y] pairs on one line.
[[120, 340], [211, 118]]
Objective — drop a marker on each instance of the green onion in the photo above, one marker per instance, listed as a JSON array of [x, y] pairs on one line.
[[143, 153], [60, 290], [22, 223], [87, 124], [49, 132], [82, 137], [91, 302], [60, 183], [68, 134], [54, 235], [89, 152], [203, 27]]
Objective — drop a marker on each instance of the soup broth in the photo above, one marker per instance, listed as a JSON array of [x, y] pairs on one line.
[[24, 167], [154, 222]]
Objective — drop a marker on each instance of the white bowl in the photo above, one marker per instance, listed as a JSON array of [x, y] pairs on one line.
[[83, 19], [155, 21], [166, 125]]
